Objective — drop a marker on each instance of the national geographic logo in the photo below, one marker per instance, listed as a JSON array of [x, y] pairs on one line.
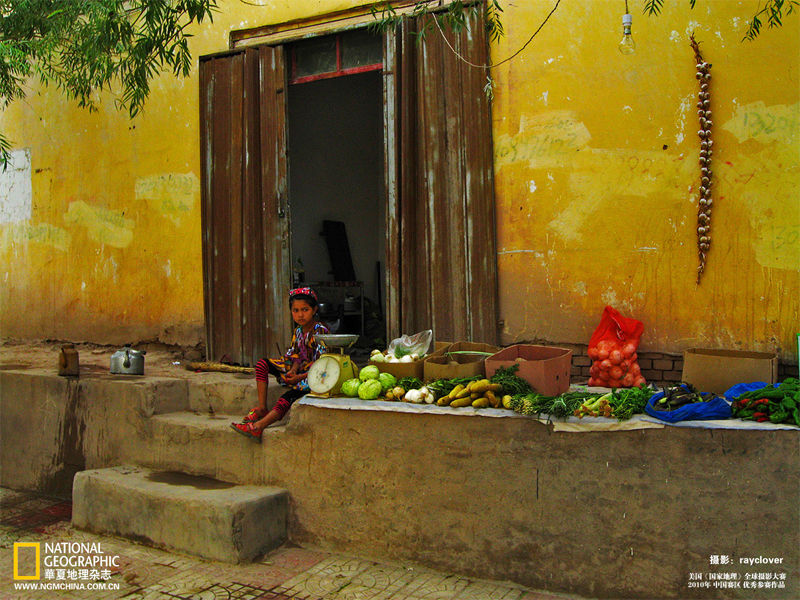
[[27, 560], [63, 560]]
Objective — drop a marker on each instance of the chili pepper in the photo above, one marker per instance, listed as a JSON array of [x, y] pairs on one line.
[[758, 415], [762, 419]]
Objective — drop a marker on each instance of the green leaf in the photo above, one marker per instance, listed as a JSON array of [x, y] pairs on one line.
[[653, 7]]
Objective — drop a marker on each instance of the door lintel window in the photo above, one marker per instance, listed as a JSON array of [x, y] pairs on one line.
[[336, 55]]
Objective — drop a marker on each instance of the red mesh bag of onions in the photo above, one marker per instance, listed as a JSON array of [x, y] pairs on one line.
[[612, 349]]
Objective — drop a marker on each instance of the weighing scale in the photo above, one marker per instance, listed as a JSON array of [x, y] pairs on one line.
[[331, 370]]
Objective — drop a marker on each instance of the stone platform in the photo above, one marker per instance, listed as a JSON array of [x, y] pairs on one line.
[[195, 515]]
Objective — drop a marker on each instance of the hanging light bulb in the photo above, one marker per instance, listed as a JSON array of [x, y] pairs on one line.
[[627, 45]]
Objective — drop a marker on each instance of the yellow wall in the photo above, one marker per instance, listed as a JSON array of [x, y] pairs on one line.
[[595, 176]]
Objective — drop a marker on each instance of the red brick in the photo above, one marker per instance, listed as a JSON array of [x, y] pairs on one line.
[[653, 375], [662, 364]]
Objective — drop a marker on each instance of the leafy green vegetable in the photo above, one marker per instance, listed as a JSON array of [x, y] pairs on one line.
[[350, 387], [369, 389], [387, 380], [512, 384], [400, 351], [369, 372], [530, 404], [410, 383], [627, 402]]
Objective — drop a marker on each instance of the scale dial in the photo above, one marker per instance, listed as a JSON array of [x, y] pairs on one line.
[[324, 374]]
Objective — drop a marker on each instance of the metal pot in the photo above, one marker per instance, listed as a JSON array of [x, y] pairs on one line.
[[128, 361]]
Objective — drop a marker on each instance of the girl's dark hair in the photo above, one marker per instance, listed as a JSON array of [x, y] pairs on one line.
[[312, 302]]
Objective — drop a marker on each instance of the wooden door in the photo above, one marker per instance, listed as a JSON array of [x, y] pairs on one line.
[[245, 226], [444, 275]]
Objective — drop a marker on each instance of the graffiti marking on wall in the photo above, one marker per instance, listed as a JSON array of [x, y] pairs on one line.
[[765, 124], [50, 235], [103, 225], [40, 233], [171, 194], [16, 190], [546, 140], [602, 179]]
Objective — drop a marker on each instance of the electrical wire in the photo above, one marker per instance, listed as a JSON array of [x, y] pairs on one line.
[[497, 64]]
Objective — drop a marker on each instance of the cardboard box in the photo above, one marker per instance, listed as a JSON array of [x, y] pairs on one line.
[[439, 366], [415, 368], [439, 347], [546, 368], [717, 370]]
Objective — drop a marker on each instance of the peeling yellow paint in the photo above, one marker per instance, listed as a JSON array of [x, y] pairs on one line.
[[768, 195], [103, 225]]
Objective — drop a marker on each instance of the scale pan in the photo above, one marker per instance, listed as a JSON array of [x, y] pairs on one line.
[[336, 340]]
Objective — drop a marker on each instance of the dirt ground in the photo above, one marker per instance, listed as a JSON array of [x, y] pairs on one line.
[[160, 359]]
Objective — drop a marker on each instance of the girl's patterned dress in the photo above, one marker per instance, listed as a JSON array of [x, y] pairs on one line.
[[303, 351]]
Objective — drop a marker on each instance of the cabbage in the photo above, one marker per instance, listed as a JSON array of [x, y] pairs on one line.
[[379, 357], [369, 372], [350, 387], [387, 381], [370, 389]]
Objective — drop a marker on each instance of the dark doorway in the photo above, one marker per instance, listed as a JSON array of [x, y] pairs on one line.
[[336, 170]]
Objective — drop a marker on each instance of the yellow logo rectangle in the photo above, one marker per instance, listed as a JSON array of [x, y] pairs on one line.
[[17, 546]]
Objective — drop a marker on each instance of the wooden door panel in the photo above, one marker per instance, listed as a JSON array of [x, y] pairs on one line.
[[220, 118], [244, 173], [274, 197], [448, 255]]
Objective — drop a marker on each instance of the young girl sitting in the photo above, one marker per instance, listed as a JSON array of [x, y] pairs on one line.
[[291, 370]]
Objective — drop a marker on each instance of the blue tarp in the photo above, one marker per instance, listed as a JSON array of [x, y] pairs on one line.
[[715, 408]]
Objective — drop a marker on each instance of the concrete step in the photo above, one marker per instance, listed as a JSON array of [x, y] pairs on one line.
[[204, 444], [196, 515], [228, 393]]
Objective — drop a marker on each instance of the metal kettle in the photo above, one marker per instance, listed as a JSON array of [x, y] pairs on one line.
[[128, 361]]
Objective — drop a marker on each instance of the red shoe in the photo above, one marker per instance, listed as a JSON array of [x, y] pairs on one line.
[[247, 430], [254, 415]]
